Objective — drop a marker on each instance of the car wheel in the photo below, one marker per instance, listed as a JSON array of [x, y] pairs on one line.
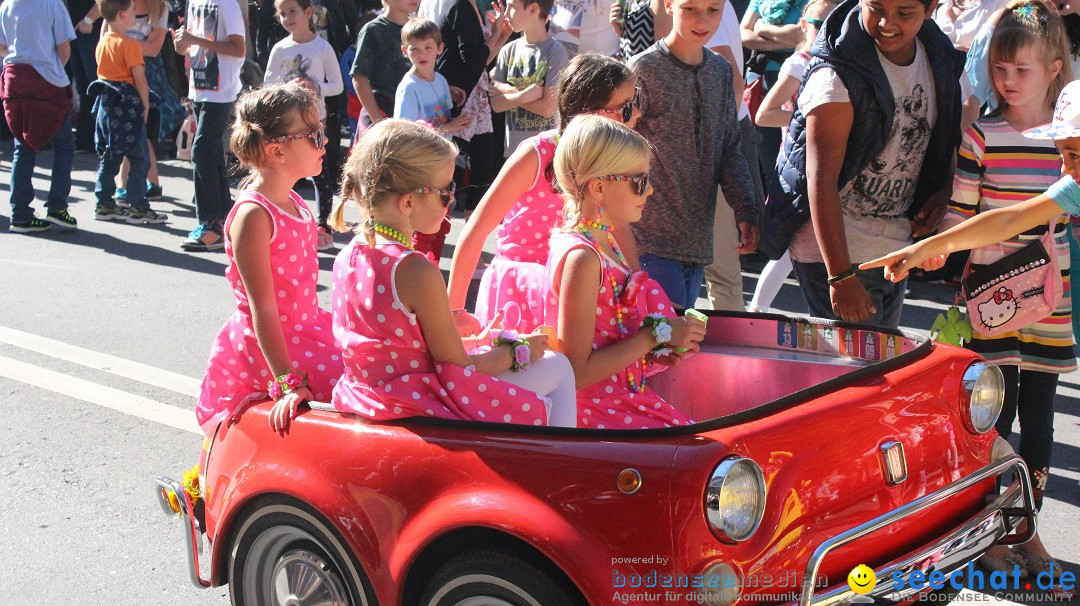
[[285, 555], [495, 579]]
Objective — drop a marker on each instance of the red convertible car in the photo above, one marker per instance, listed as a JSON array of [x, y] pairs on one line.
[[822, 446]]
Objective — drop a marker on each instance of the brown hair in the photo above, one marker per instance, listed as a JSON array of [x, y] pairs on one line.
[[395, 156], [545, 6], [304, 5], [265, 113], [110, 9], [417, 29], [1031, 23], [587, 83]]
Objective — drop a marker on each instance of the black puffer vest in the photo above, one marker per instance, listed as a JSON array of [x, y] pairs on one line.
[[845, 47]]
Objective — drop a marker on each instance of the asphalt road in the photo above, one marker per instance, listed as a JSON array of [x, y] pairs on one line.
[[104, 335]]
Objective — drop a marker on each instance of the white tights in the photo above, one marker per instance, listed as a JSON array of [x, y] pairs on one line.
[[769, 283], [551, 377]]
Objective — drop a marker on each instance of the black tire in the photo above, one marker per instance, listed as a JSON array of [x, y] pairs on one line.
[[278, 539], [500, 579]]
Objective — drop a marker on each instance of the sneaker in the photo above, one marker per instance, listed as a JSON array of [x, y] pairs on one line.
[[121, 197], [325, 239], [34, 225], [154, 192], [145, 216], [204, 237], [63, 220], [109, 212]]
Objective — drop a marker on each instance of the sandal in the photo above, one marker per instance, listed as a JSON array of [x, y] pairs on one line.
[[1006, 564], [1037, 566]]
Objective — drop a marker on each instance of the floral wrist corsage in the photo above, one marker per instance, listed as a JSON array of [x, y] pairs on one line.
[[520, 354], [661, 331], [286, 384]]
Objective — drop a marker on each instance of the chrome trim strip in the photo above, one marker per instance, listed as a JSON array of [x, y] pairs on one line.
[[192, 534], [995, 520]]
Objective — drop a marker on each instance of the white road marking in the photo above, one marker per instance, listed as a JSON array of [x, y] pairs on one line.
[[107, 397], [142, 373]]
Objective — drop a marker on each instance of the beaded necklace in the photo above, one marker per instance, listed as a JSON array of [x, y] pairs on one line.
[[392, 234], [615, 290]]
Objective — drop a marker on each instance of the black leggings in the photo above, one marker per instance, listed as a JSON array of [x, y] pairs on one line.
[[1036, 390]]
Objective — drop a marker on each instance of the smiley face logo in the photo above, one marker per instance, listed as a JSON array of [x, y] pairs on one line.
[[862, 579]]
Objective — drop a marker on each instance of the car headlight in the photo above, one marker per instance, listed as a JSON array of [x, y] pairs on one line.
[[984, 390], [735, 499], [720, 586]]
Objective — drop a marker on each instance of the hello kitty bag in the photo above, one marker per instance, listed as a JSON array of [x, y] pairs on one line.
[[1015, 291]]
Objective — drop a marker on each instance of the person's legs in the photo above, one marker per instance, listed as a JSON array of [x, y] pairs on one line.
[[769, 282], [669, 274], [83, 71], [723, 278], [813, 282], [212, 197], [23, 162], [139, 165], [1035, 407], [551, 376], [63, 144], [105, 186], [331, 172], [886, 297], [694, 277]]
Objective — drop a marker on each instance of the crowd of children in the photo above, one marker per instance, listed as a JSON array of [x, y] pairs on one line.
[[601, 173]]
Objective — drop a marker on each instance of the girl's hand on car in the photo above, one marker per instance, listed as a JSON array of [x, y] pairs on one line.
[[287, 407], [686, 333]]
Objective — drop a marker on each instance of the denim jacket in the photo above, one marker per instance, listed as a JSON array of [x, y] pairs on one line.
[[119, 117]]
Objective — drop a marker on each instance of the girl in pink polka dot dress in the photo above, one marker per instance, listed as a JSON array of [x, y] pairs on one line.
[[278, 329], [523, 207], [616, 326], [403, 356]]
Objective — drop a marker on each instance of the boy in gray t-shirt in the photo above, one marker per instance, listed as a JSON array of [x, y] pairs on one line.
[[526, 74]]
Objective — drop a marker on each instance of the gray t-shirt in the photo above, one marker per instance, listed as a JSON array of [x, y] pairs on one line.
[[689, 117], [379, 59], [875, 203], [520, 65]]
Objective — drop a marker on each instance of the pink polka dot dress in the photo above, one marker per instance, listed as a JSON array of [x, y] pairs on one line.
[[389, 372], [237, 373], [517, 271], [610, 404]]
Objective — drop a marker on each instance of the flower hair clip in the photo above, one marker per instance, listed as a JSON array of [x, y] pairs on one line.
[[1029, 14]]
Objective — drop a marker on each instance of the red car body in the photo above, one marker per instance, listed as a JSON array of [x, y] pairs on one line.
[[399, 501]]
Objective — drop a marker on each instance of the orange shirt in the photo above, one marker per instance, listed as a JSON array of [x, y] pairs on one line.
[[116, 55]]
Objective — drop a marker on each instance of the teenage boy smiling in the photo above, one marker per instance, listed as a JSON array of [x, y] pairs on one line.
[[871, 143]]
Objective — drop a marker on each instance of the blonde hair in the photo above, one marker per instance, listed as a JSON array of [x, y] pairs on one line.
[[156, 8], [265, 113], [593, 146], [1031, 23], [394, 157]]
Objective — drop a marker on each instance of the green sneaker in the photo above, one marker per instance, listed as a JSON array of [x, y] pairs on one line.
[[34, 225], [62, 220], [145, 216]]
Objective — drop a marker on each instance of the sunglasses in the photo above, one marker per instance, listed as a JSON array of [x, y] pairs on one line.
[[817, 23], [626, 111], [639, 182], [447, 195], [318, 136]]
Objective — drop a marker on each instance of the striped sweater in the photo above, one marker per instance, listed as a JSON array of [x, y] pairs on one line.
[[997, 166]]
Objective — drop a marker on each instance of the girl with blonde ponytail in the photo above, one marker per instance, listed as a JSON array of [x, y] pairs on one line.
[[614, 324], [403, 357], [278, 342]]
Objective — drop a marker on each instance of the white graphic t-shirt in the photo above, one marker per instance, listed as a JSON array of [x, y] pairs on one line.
[[875, 203], [214, 77], [312, 61], [583, 27]]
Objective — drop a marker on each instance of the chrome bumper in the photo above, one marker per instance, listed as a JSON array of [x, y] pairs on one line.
[[995, 524], [193, 536]]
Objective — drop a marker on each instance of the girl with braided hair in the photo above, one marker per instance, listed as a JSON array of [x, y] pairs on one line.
[[403, 356], [278, 342]]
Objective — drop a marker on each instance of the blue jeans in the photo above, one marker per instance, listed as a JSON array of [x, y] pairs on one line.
[[22, 172], [109, 167], [212, 198], [83, 72], [680, 281], [885, 296]]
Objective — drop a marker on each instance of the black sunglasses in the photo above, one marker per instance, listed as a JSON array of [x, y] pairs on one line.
[[626, 109], [447, 195], [639, 182]]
